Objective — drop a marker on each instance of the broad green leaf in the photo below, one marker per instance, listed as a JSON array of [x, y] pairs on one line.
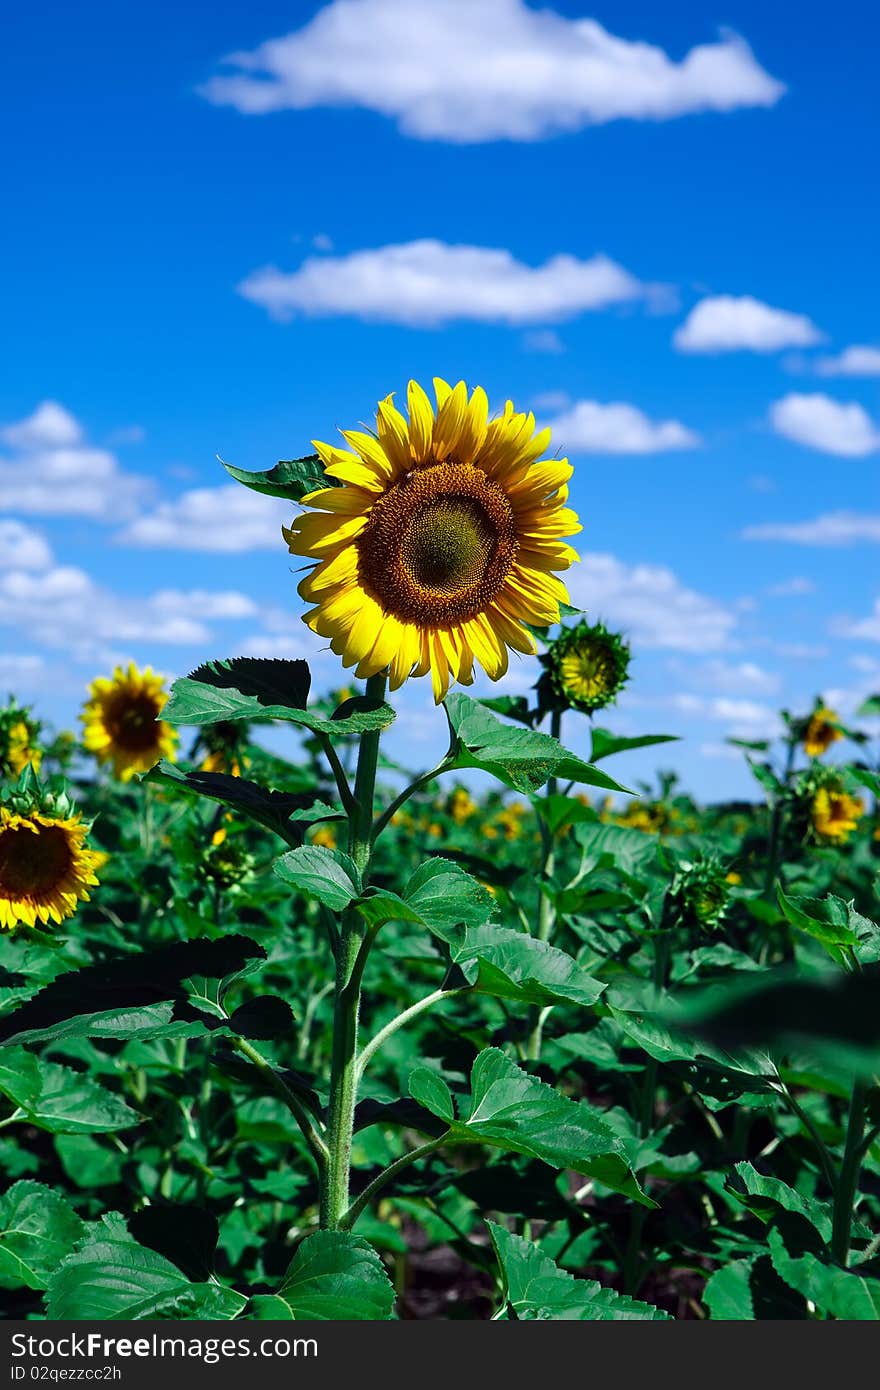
[[335, 1276], [630, 852], [767, 1196], [510, 965], [728, 1293], [536, 1288], [20, 1078], [515, 1111], [261, 688], [325, 874], [290, 479], [378, 905], [605, 743], [112, 1277], [284, 813], [827, 919], [37, 1229], [869, 708], [127, 996], [431, 1091], [514, 707], [445, 897], [71, 1102], [864, 776], [839, 1293], [520, 758]]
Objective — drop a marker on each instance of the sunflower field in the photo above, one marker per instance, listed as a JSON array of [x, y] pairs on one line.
[[309, 1035]]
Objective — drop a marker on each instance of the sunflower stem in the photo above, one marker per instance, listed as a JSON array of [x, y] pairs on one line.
[[353, 945], [847, 1189], [546, 911]]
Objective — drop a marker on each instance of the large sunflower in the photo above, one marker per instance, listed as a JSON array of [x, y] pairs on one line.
[[441, 542], [834, 813], [45, 868], [821, 731], [122, 723]]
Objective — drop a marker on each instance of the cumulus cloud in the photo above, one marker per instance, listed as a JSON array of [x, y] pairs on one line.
[[867, 628], [725, 323], [746, 719], [651, 604], [65, 609], [459, 71], [618, 428], [227, 520], [796, 587], [832, 528], [22, 548], [858, 360], [731, 677], [51, 470], [832, 427], [428, 283]]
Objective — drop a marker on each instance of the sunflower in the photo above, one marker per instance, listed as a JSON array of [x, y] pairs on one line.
[[441, 543], [18, 741], [821, 731], [122, 723], [45, 868], [586, 668], [835, 813]]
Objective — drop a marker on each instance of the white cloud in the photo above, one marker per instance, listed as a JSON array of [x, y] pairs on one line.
[[22, 548], [428, 283], [63, 608], [227, 520], [724, 323], [460, 71], [545, 340], [832, 528], [867, 629], [651, 604], [744, 718], [832, 427], [733, 678], [53, 471], [618, 428], [858, 360], [792, 588]]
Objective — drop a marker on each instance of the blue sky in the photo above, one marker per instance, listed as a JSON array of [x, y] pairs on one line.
[[731, 506]]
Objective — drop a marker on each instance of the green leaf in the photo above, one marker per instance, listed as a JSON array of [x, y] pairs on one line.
[[130, 996], [112, 1277], [515, 1111], [446, 897], [510, 965], [536, 1288], [864, 776], [628, 851], [514, 707], [325, 874], [37, 1229], [520, 758], [837, 1292], [827, 919], [290, 479], [70, 1102], [334, 1276], [766, 1197], [869, 708], [431, 1091], [263, 688], [284, 813], [20, 1078], [605, 743], [728, 1293]]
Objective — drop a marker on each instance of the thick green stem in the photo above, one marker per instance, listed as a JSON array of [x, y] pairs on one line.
[[546, 911], [775, 843], [632, 1264], [847, 1188], [349, 966]]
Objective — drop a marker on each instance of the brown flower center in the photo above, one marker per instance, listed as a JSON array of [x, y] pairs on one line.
[[33, 862], [131, 722], [438, 545]]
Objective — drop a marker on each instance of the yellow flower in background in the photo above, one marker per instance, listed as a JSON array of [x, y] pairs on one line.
[[461, 806], [121, 721], [821, 732], [835, 813], [325, 837], [441, 542], [19, 751], [45, 868]]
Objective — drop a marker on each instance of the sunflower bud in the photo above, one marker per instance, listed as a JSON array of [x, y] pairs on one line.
[[585, 669], [701, 893]]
